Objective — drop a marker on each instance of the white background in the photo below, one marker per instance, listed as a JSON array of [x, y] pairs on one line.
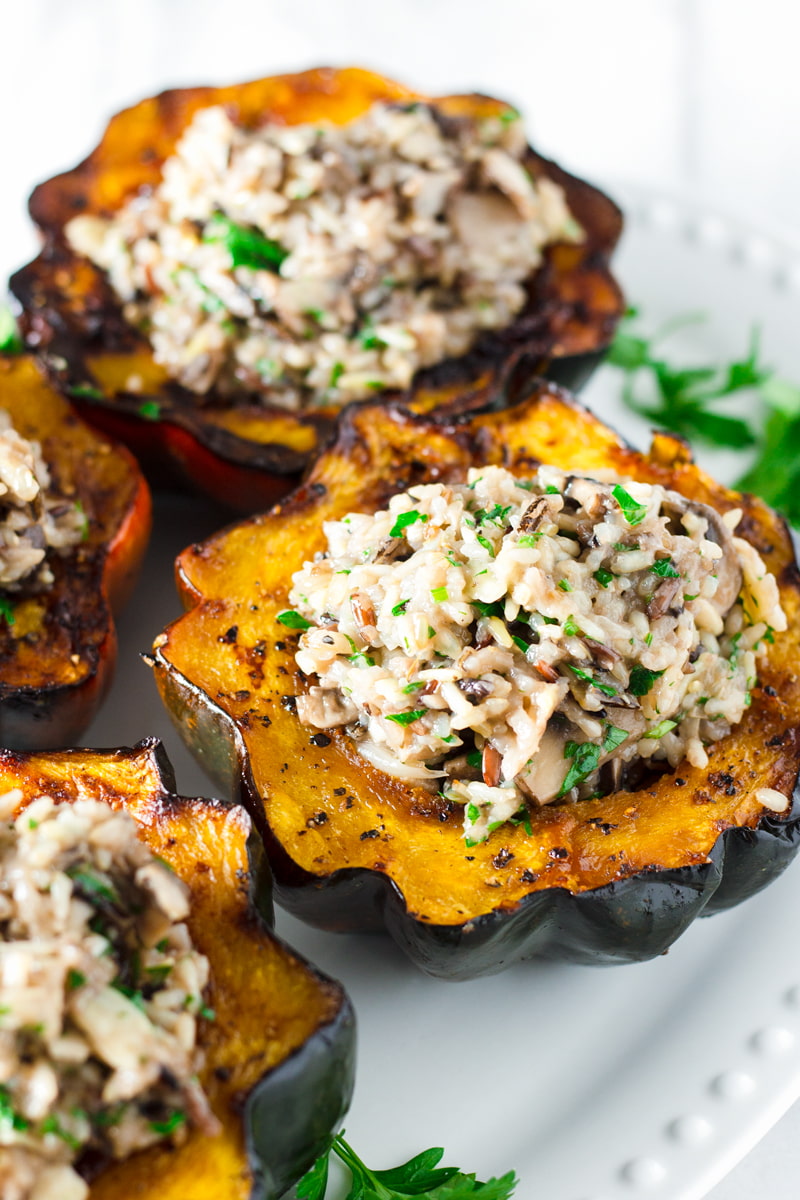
[[698, 97]]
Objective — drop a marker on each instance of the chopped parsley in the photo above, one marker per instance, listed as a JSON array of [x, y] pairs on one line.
[[659, 730], [439, 594], [172, 1122], [405, 519], [150, 410], [633, 512], [564, 585], [585, 759], [603, 576], [613, 737], [496, 514], [248, 247], [91, 884], [641, 680], [487, 545], [571, 627], [605, 688], [361, 659], [665, 569], [293, 619], [400, 608], [7, 610], [528, 539], [10, 340], [406, 718]]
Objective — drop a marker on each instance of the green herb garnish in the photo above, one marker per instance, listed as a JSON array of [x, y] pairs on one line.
[[150, 410], [7, 610], [404, 519], [400, 608], [680, 396], [293, 619], [613, 737], [92, 884], [528, 539], [603, 576], [420, 1176], [633, 512], [642, 680], [406, 718], [605, 688], [585, 758], [659, 730], [664, 568], [173, 1122], [247, 247], [10, 340], [439, 594], [487, 545]]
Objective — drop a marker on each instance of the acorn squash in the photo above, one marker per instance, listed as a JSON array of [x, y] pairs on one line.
[[279, 1052], [58, 650], [249, 455], [600, 880]]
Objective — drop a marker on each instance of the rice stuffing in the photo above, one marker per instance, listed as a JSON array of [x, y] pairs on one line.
[[317, 264], [100, 993], [35, 519], [513, 642]]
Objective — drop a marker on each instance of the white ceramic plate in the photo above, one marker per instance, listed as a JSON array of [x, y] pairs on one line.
[[593, 1084]]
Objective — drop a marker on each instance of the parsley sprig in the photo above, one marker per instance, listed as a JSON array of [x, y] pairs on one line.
[[775, 474], [681, 399], [420, 1176], [678, 398]]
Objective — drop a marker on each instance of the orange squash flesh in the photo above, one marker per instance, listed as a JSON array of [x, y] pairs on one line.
[[226, 668], [248, 456], [268, 1003], [57, 657]]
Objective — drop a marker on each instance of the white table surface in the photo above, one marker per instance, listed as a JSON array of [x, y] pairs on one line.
[[699, 96]]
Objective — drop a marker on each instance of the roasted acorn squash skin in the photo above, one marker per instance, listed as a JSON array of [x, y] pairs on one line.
[[280, 1051], [247, 457], [58, 656], [604, 880]]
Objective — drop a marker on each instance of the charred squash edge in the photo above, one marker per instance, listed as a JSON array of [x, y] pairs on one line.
[[58, 658], [615, 911], [248, 458], [279, 1075]]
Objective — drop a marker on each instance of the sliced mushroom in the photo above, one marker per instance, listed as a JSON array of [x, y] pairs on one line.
[[543, 776], [729, 573], [474, 689], [325, 708], [534, 514], [663, 597]]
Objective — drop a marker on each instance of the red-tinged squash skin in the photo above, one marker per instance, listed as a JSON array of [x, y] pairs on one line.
[[249, 456], [604, 880], [58, 656], [279, 1053]]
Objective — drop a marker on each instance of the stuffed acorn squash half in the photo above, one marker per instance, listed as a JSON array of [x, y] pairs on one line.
[[232, 265], [159, 1041], [504, 686], [75, 516]]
